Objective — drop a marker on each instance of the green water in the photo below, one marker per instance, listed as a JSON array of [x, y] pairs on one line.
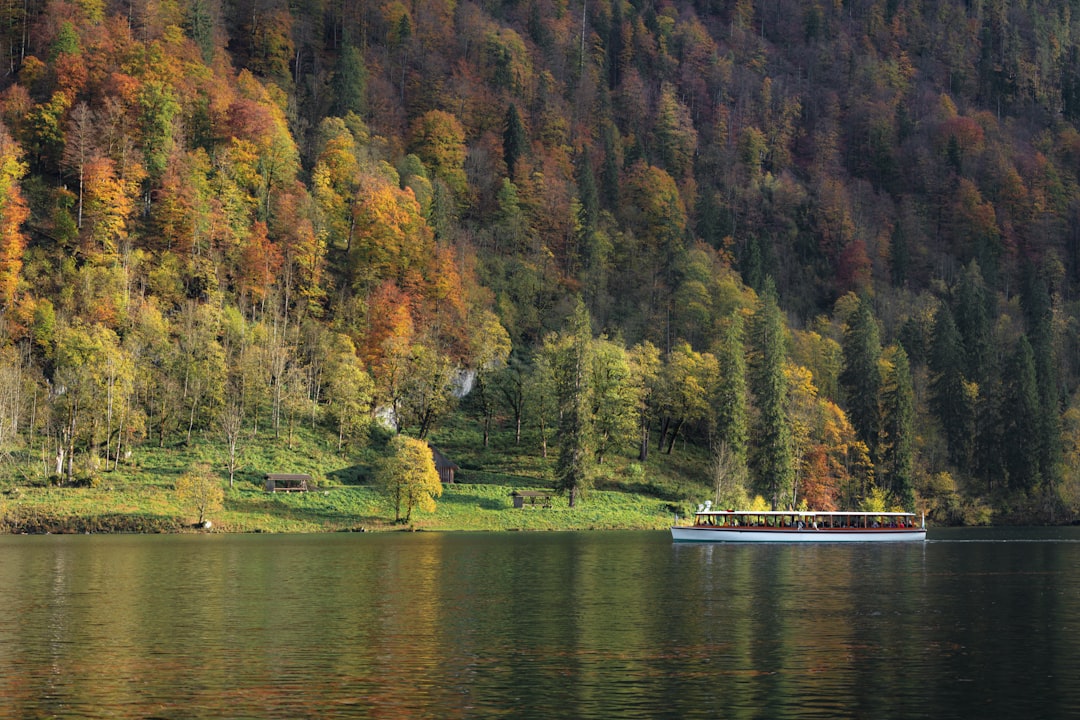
[[576, 625]]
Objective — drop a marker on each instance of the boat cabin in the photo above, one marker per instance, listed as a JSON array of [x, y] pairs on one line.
[[807, 519]]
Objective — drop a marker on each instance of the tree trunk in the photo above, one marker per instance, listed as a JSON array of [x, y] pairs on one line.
[[643, 453], [674, 434]]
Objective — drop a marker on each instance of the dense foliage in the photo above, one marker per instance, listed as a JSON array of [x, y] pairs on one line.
[[835, 244]]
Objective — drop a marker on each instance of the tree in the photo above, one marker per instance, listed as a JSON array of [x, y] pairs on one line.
[[407, 477], [231, 421], [732, 430], [613, 397], [951, 396], [773, 462], [898, 425], [350, 391], [689, 383], [200, 490], [490, 349], [646, 366], [571, 382], [439, 140], [861, 377], [676, 138], [350, 82], [1023, 437], [515, 140], [13, 213]]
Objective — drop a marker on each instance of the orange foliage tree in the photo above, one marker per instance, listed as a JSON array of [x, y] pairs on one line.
[[13, 213]]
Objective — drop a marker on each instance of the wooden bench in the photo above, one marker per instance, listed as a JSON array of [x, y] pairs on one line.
[[531, 498]]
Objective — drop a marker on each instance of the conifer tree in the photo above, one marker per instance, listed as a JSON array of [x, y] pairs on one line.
[[950, 398], [898, 451], [861, 377], [571, 378], [1022, 440], [350, 82], [973, 321], [773, 462], [1039, 312], [515, 141], [731, 413]]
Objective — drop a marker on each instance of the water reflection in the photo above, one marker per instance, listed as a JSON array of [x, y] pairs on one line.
[[534, 626]]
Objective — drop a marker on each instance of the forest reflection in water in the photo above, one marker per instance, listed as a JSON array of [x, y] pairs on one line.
[[537, 625]]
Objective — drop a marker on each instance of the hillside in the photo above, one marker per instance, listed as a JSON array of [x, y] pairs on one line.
[[821, 253]]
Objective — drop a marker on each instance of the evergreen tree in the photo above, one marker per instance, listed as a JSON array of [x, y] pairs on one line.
[[773, 461], [861, 377], [973, 321], [1039, 313], [350, 82], [611, 168], [991, 417], [1023, 439], [588, 195], [515, 140], [731, 414], [950, 398], [571, 377], [898, 438]]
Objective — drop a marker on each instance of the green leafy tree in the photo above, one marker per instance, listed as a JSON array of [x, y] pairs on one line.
[[490, 349], [408, 478], [613, 397], [688, 383], [350, 391], [646, 366]]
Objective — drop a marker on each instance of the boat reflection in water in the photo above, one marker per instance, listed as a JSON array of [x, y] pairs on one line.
[[792, 526]]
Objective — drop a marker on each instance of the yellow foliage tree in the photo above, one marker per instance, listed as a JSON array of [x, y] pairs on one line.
[[198, 489], [408, 478]]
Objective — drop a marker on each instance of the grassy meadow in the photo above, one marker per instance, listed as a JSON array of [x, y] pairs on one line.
[[140, 495]]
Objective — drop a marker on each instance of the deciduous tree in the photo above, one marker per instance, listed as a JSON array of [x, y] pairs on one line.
[[407, 477], [198, 489]]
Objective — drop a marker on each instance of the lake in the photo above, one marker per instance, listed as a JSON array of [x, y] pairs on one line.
[[515, 625]]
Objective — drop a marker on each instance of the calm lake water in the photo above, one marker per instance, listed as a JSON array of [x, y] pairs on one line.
[[579, 625]]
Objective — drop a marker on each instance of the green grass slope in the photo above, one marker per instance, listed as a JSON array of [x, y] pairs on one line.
[[140, 495]]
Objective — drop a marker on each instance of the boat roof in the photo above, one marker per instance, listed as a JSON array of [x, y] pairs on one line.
[[816, 513]]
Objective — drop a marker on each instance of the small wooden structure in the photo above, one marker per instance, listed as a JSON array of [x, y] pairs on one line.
[[531, 498], [444, 465], [286, 482]]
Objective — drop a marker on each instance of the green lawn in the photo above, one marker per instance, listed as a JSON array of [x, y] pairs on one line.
[[140, 495]]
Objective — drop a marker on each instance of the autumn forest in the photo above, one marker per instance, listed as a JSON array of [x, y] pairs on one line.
[[833, 247]]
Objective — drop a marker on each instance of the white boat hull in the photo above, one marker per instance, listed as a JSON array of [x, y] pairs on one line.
[[694, 533]]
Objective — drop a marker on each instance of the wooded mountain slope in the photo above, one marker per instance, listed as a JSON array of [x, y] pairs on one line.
[[836, 243]]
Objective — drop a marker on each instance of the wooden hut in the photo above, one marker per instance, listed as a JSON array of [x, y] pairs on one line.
[[287, 482], [444, 465]]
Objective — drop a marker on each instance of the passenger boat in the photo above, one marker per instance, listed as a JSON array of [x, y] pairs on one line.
[[792, 526]]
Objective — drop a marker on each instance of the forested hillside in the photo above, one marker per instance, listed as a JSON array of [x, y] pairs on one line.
[[835, 245]]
